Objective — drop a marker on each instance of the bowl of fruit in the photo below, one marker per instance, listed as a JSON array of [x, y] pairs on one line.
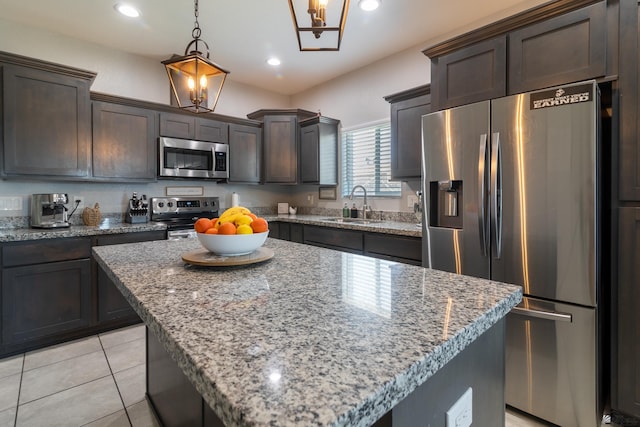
[[236, 232]]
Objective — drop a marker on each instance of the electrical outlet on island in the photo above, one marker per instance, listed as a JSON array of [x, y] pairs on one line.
[[460, 414]]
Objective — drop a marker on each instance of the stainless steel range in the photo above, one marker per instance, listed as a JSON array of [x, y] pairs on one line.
[[180, 213]]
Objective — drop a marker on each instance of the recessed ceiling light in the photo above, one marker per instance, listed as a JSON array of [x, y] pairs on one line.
[[369, 5], [273, 61], [127, 10]]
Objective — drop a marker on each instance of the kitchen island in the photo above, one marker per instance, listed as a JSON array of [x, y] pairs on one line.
[[315, 336]]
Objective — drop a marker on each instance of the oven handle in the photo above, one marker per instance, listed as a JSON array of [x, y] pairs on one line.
[[181, 234]]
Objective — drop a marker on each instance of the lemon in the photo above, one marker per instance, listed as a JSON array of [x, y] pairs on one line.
[[244, 229], [242, 220]]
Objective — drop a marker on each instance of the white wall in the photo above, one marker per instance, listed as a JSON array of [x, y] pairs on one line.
[[354, 98], [124, 74], [357, 98]]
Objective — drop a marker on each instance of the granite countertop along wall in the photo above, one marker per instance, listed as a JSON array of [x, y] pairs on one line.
[[105, 227], [114, 225], [310, 337], [385, 226]]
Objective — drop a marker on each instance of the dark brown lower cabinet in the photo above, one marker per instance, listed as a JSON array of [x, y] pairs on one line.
[[626, 379], [175, 400], [391, 247], [52, 291], [395, 248], [334, 238], [286, 231], [112, 307], [44, 300], [46, 292]]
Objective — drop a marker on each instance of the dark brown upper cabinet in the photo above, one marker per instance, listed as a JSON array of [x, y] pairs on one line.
[[46, 119], [567, 48], [280, 143], [555, 43], [472, 74], [407, 109], [189, 126], [124, 142], [245, 153], [628, 179], [319, 151]]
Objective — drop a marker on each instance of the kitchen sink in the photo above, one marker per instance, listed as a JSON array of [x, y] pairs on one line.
[[353, 220]]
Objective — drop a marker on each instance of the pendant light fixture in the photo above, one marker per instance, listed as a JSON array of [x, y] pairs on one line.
[[327, 19], [193, 77]]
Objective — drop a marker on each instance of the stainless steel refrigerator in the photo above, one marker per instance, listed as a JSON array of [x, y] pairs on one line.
[[511, 193]]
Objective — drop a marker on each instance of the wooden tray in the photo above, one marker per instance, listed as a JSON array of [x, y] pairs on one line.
[[203, 257]]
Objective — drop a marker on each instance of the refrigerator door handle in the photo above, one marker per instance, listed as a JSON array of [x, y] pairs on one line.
[[496, 197], [482, 206], [547, 315]]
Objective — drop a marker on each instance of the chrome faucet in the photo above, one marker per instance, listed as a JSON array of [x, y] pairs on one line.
[[365, 206]]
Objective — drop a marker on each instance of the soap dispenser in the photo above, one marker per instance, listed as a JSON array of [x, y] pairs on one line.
[[345, 211], [354, 211]]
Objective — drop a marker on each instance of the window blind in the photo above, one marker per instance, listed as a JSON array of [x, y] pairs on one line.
[[366, 161]]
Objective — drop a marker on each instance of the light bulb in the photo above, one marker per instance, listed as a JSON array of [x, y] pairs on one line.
[[191, 83], [323, 3], [369, 5], [203, 82]]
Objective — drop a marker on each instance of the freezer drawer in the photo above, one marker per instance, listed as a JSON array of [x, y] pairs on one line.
[[551, 362]]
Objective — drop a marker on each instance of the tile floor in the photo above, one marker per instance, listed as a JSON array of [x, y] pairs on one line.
[[97, 382]]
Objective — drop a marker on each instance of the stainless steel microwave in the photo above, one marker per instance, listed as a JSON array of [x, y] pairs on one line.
[[192, 159]]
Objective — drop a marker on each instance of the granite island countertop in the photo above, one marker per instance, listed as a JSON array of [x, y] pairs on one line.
[[311, 336]]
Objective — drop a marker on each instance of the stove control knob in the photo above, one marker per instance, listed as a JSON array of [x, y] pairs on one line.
[[170, 204], [206, 203], [161, 204]]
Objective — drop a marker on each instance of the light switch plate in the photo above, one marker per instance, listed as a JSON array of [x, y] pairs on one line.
[[411, 200]]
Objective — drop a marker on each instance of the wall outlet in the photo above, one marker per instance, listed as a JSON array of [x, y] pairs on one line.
[[310, 198], [75, 200], [11, 203], [412, 200], [461, 413]]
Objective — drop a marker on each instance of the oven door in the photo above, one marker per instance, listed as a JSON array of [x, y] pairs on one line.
[[192, 159]]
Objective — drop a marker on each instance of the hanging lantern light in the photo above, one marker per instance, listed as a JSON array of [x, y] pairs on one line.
[[193, 77], [326, 23]]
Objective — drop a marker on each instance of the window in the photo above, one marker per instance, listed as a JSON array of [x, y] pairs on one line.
[[366, 160]]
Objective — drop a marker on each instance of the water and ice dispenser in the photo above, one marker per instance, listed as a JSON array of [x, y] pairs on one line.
[[446, 203]]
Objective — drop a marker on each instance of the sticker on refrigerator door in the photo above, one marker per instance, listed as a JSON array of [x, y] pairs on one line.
[[561, 96]]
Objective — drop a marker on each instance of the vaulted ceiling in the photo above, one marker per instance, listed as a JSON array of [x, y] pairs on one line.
[[243, 34]]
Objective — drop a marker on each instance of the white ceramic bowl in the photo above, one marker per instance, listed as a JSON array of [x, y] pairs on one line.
[[232, 244]]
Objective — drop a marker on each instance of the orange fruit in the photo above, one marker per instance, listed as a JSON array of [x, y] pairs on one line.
[[202, 225], [212, 230], [215, 222], [227, 228], [253, 216], [259, 225]]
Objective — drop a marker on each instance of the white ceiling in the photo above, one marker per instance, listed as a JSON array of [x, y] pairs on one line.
[[242, 34]]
